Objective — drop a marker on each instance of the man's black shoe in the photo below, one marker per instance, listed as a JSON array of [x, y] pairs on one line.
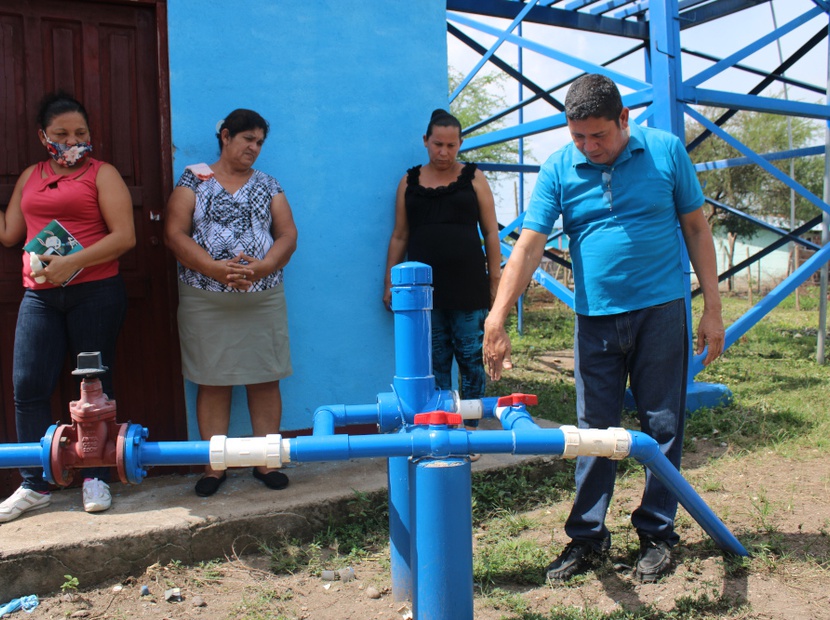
[[577, 558], [654, 560]]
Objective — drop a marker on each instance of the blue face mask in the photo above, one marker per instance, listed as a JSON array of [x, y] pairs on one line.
[[66, 155]]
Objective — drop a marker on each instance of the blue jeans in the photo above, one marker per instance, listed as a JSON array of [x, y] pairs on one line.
[[459, 333], [50, 323], [651, 348]]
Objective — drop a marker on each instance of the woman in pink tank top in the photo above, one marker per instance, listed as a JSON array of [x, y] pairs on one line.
[[74, 297]]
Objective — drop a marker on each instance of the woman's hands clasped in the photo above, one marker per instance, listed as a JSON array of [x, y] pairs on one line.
[[241, 271]]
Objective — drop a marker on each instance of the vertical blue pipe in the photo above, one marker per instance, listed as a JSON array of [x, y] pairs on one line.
[[323, 422], [414, 382], [442, 540], [414, 386], [399, 528], [520, 206]]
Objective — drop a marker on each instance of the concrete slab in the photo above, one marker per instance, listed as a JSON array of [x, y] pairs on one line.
[[162, 520]]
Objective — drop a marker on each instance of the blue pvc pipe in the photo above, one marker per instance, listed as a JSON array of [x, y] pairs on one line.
[[646, 450], [390, 417], [170, 453], [400, 534], [414, 383], [517, 417], [361, 414], [329, 417], [442, 541], [419, 442], [324, 422], [21, 455], [488, 406]]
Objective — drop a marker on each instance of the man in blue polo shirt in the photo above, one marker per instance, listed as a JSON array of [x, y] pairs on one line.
[[622, 191]]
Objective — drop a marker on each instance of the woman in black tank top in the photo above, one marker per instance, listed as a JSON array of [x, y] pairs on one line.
[[439, 209]]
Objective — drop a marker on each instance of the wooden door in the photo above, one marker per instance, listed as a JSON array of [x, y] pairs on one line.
[[112, 57]]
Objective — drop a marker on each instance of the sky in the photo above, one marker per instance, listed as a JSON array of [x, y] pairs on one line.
[[720, 38]]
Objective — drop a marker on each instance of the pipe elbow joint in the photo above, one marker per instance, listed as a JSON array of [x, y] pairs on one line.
[[327, 418], [644, 448]]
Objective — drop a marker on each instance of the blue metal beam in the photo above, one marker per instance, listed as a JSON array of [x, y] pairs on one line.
[[720, 164], [744, 264], [793, 236], [735, 101], [715, 10], [760, 86], [632, 100], [525, 168], [610, 5], [499, 40], [553, 89], [664, 67], [573, 61], [768, 303], [773, 75], [739, 146], [508, 9], [474, 45], [750, 49]]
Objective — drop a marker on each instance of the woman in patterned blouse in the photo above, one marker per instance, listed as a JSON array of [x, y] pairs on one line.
[[232, 231]]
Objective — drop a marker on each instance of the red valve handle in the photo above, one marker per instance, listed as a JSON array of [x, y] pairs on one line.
[[518, 399], [435, 418]]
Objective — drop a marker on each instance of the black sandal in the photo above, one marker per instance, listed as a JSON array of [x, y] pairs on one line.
[[273, 479], [208, 485]]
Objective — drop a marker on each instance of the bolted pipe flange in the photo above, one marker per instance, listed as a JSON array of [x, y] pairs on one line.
[[134, 437]]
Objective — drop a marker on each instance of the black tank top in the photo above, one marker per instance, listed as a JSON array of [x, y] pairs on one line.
[[443, 233]]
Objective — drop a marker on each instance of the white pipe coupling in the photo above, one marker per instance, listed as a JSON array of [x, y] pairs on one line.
[[245, 452], [613, 443], [470, 409]]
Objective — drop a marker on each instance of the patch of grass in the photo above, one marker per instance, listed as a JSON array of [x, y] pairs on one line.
[[698, 607], [363, 532], [503, 556], [263, 605], [498, 598], [365, 528], [518, 489]]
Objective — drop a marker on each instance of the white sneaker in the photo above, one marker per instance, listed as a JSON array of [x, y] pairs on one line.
[[22, 500], [96, 495]]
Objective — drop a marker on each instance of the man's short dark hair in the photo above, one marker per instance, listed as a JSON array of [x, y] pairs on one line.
[[593, 96]]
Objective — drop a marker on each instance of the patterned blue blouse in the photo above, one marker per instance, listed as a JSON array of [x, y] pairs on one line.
[[226, 224]]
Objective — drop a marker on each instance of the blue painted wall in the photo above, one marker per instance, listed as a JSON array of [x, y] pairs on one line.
[[347, 89]]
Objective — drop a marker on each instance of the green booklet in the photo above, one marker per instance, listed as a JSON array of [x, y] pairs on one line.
[[54, 239]]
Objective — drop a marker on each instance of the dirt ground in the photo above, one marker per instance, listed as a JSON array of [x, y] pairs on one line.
[[777, 506]]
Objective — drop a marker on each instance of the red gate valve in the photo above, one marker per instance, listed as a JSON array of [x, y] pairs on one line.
[[438, 418], [514, 400], [91, 440]]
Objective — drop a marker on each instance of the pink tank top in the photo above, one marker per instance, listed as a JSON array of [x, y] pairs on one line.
[[72, 200]]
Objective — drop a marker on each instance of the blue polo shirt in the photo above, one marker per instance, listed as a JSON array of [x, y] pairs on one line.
[[624, 243]]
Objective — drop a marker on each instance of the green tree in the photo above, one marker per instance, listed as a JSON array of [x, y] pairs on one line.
[[480, 99]]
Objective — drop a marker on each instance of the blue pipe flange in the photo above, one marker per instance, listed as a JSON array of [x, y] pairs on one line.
[[136, 434], [46, 453]]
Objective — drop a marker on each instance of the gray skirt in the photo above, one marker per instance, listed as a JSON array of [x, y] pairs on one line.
[[233, 338]]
